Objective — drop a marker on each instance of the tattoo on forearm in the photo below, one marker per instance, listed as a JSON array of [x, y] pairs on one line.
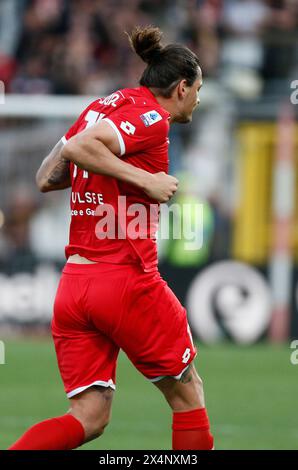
[[59, 173], [54, 171]]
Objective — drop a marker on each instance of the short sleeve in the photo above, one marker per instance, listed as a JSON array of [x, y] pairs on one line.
[[138, 131], [70, 133], [78, 125]]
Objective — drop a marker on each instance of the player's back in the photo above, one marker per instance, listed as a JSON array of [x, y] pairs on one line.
[[141, 126]]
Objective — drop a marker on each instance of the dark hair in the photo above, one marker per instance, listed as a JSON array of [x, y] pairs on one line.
[[167, 65]]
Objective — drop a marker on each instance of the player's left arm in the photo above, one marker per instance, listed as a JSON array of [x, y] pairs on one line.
[[53, 173]]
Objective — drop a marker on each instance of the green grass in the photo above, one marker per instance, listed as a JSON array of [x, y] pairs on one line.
[[251, 395]]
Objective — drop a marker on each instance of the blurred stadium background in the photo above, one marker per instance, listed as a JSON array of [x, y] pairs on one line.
[[239, 158]]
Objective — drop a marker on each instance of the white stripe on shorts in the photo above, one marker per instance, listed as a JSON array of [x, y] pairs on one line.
[[74, 392], [177, 377]]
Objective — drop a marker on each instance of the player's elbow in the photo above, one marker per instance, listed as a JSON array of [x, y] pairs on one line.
[[44, 187], [41, 182]]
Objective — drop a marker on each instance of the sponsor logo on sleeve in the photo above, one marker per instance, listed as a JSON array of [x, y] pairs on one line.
[[151, 117]]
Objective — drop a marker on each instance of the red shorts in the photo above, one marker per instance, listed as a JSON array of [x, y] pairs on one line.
[[100, 308]]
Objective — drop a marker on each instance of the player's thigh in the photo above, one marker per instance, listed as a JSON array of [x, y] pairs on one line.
[[86, 356], [185, 393], [154, 332]]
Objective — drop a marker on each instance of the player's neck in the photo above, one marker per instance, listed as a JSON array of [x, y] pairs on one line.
[[166, 103]]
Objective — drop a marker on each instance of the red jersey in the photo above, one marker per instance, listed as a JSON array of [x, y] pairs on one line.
[[142, 127]]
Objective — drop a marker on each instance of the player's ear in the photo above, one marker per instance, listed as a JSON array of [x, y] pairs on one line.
[[181, 89]]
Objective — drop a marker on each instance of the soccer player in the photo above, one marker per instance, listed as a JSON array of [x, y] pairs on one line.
[[111, 294]]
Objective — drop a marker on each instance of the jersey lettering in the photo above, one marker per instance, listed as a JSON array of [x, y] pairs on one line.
[[91, 118], [110, 100]]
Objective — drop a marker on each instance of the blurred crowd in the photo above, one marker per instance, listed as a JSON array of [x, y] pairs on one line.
[[80, 47]]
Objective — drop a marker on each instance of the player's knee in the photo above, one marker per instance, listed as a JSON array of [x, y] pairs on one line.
[[96, 425], [93, 413], [93, 422]]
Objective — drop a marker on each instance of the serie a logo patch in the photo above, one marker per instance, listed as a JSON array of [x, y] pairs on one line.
[[151, 117]]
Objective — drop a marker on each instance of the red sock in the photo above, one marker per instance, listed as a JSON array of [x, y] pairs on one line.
[[191, 430], [63, 433]]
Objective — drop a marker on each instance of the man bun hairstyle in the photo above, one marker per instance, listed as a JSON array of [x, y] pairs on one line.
[[166, 65], [146, 42]]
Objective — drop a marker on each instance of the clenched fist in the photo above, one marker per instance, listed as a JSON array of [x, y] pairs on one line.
[[160, 186]]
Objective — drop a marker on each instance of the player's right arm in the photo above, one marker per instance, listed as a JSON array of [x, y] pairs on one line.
[[97, 149]]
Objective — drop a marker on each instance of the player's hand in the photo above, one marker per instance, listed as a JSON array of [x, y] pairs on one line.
[[161, 186]]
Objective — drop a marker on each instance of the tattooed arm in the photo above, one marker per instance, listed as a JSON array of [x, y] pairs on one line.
[[53, 173]]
